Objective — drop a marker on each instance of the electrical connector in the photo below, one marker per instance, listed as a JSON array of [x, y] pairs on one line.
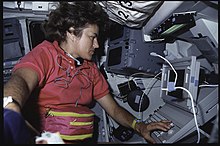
[[171, 86], [153, 54]]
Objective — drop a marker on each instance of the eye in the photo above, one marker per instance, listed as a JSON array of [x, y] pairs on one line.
[[92, 37]]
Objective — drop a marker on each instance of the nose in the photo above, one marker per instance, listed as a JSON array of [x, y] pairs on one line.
[[95, 43]]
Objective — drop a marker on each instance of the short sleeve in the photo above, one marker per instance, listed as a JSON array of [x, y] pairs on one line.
[[37, 60], [101, 87]]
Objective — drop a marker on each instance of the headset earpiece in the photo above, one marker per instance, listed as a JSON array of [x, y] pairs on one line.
[[78, 60]]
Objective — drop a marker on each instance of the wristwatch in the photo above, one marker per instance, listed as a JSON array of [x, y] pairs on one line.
[[9, 99], [135, 121]]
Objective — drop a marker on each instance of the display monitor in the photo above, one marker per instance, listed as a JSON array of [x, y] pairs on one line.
[[178, 93], [13, 47], [130, 54], [118, 34], [117, 52], [187, 70], [12, 51], [175, 25]]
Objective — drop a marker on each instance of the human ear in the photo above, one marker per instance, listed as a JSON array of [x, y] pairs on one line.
[[71, 29], [70, 33]]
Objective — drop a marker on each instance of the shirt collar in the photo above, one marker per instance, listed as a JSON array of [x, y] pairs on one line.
[[85, 64]]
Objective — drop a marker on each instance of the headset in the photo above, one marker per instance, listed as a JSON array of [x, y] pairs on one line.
[[78, 60]]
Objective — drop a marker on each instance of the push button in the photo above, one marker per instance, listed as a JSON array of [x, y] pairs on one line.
[[170, 131]]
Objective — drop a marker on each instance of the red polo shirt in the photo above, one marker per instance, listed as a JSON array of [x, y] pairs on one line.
[[61, 82]]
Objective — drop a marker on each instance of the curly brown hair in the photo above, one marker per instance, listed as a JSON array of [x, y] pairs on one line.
[[76, 14]]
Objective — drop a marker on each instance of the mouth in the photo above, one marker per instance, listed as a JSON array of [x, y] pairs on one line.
[[92, 52]]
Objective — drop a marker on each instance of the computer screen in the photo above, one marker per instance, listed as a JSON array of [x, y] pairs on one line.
[[130, 54], [116, 56], [12, 51], [178, 93], [13, 47], [175, 25], [117, 33], [187, 70]]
